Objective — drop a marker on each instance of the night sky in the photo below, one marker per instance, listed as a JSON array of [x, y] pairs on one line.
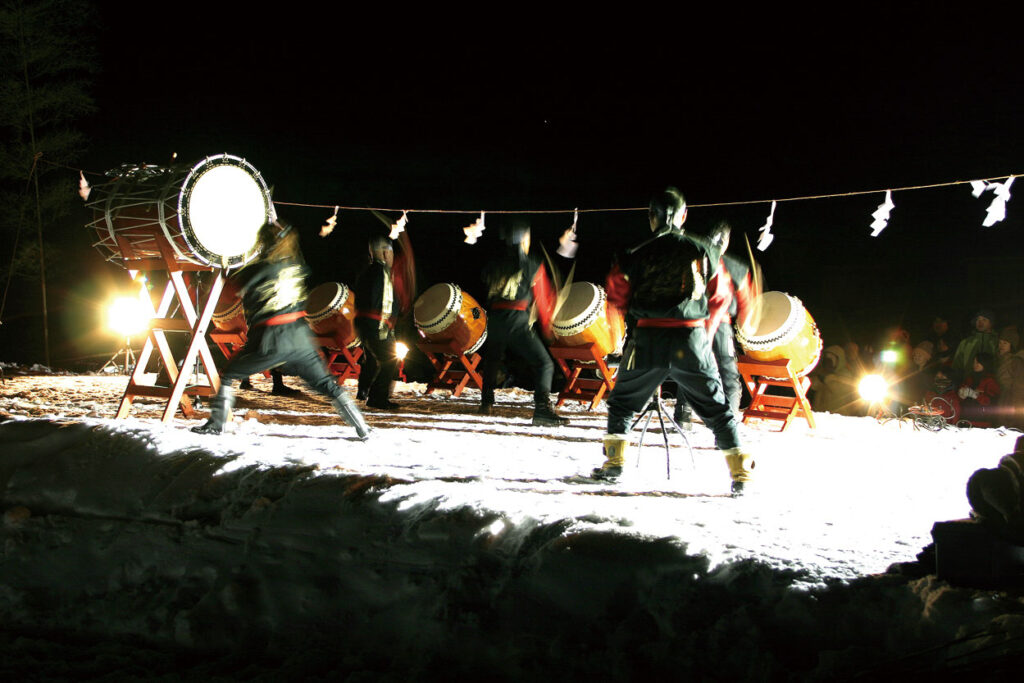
[[535, 109]]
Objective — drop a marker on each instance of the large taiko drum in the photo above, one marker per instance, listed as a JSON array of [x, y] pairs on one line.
[[586, 318], [444, 313], [786, 331], [330, 312], [229, 314], [209, 214]]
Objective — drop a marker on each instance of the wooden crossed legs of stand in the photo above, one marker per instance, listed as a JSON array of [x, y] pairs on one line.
[[452, 369], [331, 349], [178, 394], [573, 360], [758, 376]]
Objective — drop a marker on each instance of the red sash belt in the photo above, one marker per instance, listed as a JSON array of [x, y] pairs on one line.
[[284, 318], [390, 322], [509, 305], [668, 322]]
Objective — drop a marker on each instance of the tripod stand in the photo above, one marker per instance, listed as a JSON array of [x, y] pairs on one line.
[[129, 358], [656, 406]]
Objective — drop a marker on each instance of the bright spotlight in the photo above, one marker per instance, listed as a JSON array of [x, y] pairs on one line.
[[873, 388], [127, 316], [401, 350], [889, 356]]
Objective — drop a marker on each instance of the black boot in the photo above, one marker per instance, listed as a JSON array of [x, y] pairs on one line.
[[220, 406], [683, 415], [349, 412], [544, 416]]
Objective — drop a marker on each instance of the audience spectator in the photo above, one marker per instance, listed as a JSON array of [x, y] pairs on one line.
[[919, 379], [981, 339], [943, 394], [980, 391], [1010, 374], [832, 383], [943, 340]]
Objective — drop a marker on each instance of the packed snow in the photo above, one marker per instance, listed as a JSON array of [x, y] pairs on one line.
[[453, 543]]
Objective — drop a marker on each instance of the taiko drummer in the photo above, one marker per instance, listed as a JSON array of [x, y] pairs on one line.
[[515, 280], [376, 311], [273, 294], [662, 287]]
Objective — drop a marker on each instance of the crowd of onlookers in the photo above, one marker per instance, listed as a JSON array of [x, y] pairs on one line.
[[977, 378]]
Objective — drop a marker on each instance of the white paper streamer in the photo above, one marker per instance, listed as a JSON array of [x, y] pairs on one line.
[[997, 209], [399, 226], [567, 242], [83, 187], [328, 227], [475, 230], [766, 231], [881, 215]]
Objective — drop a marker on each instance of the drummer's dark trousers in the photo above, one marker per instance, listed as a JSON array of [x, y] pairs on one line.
[[288, 347], [723, 348], [683, 355], [380, 366], [509, 330]]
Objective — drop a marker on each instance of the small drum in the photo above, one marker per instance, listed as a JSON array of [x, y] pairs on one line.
[[330, 312], [229, 315], [586, 318], [786, 331], [210, 215], [445, 313]]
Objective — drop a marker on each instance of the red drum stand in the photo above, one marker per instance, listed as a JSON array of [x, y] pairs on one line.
[[758, 376], [573, 360], [453, 369], [163, 320], [331, 349]]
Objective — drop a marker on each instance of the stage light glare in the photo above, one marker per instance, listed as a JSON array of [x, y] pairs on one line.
[[401, 350], [873, 388], [127, 316], [226, 210], [889, 356]]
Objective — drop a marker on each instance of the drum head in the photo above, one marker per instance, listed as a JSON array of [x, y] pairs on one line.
[[435, 305], [776, 309], [583, 303], [222, 205], [325, 297]]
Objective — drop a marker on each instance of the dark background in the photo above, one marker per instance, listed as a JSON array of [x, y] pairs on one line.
[[531, 109]]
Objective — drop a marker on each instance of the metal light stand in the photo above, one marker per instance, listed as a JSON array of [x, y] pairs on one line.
[[657, 406], [129, 357]]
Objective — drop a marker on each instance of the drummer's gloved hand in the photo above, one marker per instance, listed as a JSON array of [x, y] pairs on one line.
[[967, 392]]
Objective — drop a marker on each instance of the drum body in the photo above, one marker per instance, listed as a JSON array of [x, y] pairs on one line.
[[586, 318], [209, 215], [786, 331], [229, 314], [330, 312], [444, 313]]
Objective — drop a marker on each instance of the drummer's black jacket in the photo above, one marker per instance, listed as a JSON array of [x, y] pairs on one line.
[[664, 279], [271, 288], [375, 295]]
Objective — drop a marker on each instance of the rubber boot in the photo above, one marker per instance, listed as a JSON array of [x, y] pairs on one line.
[[740, 465], [544, 416], [350, 412], [614, 457], [220, 406]]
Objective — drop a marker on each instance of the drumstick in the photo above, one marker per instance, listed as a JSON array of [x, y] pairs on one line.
[[753, 321]]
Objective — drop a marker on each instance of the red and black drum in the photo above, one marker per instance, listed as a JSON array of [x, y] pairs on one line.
[[209, 215], [229, 315], [786, 331], [586, 318], [444, 313], [331, 312]]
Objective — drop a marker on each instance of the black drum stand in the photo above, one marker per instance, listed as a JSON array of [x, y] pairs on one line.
[[656, 406]]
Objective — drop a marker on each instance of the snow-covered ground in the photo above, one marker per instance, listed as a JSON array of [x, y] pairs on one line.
[[455, 544]]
